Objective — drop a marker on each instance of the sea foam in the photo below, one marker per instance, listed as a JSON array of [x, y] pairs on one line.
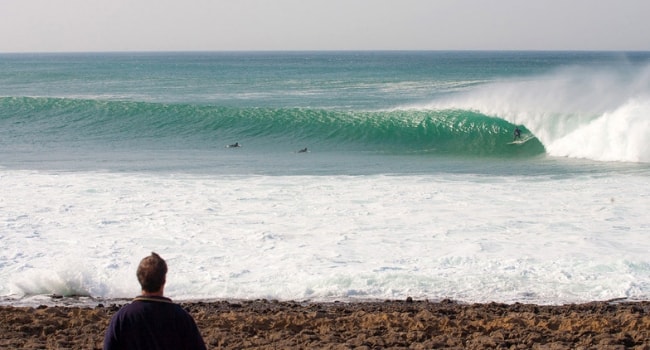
[[461, 236]]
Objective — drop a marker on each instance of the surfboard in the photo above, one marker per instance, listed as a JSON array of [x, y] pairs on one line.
[[521, 140]]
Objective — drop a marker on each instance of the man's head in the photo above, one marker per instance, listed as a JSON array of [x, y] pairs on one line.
[[151, 273]]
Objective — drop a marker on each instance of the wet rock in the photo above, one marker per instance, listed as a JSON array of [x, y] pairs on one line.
[[264, 324]]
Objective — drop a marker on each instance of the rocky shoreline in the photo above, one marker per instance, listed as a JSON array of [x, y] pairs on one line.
[[264, 324]]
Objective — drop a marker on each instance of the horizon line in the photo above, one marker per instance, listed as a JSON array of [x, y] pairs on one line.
[[325, 51]]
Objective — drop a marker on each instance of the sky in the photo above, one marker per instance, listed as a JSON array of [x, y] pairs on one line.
[[234, 25]]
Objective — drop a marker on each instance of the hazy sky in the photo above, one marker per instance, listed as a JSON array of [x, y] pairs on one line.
[[164, 25]]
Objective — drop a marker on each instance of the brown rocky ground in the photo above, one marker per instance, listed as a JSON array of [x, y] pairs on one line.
[[263, 324]]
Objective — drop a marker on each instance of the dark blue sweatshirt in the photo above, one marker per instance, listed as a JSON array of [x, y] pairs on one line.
[[152, 323]]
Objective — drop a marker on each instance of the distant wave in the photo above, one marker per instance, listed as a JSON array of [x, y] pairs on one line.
[[452, 131], [600, 113]]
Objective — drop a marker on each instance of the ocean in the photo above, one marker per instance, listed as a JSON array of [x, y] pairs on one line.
[[359, 176]]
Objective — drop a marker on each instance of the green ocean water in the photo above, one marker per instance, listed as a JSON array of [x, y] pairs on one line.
[[403, 106], [55, 121]]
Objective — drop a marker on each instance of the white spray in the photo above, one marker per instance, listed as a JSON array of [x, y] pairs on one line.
[[595, 113]]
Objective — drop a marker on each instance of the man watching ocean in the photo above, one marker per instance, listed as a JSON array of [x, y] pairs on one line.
[[152, 321]]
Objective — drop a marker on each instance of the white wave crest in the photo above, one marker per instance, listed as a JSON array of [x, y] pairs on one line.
[[620, 135], [595, 113]]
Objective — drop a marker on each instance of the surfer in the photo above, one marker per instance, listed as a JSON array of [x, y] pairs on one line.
[[236, 144], [517, 134], [304, 150]]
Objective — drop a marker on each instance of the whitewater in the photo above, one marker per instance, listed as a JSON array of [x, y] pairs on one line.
[[410, 186], [593, 113]]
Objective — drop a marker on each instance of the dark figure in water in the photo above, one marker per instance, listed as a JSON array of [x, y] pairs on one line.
[[236, 144], [304, 150], [517, 134]]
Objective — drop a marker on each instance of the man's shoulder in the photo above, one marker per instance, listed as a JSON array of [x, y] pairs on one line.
[[139, 310], [145, 303]]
